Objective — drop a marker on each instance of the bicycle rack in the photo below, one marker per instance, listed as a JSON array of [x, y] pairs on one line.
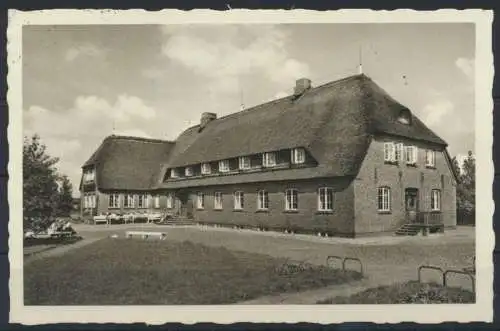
[[459, 272], [343, 260], [429, 267]]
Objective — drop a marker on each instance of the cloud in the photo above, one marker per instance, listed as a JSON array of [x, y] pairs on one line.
[[73, 135], [466, 66], [223, 54], [86, 50], [437, 112]]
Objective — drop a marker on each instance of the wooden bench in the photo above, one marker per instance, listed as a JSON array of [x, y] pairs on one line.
[[145, 234]]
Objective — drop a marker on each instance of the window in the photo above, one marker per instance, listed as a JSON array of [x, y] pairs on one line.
[[291, 199], [188, 171], [389, 152], [206, 169], [239, 201], [224, 166], [129, 201], [142, 201], [435, 200], [399, 149], [244, 162], [200, 202], [384, 199], [269, 159], [156, 201], [170, 201], [262, 200], [430, 158], [174, 173], [114, 201], [218, 200], [89, 175], [93, 201], [411, 153], [325, 199], [298, 155]]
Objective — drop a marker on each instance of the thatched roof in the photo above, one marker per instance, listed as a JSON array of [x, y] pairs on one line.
[[128, 163], [334, 122]]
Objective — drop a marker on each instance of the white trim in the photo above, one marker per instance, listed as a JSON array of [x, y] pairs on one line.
[[430, 158], [239, 200], [114, 200], [389, 152], [188, 171], [262, 200], [327, 194], [224, 165], [298, 155], [411, 155], [218, 204], [206, 169], [436, 200], [174, 173], [294, 199], [244, 162], [269, 159], [156, 201], [169, 204], [200, 200], [384, 193]]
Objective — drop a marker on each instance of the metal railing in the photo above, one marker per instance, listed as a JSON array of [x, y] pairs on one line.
[[426, 218]]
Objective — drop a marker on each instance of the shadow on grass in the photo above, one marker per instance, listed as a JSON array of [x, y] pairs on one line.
[[411, 292], [139, 272]]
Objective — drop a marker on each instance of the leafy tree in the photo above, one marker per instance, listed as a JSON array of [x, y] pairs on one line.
[[466, 190], [46, 194]]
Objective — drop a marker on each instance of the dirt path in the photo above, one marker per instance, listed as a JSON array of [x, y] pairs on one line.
[[59, 250]]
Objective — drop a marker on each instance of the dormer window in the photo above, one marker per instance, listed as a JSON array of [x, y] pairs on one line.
[[206, 169], [89, 175], [269, 159], [244, 162], [298, 156], [404, 117], [188, 171], [174, 173], [224, 165]]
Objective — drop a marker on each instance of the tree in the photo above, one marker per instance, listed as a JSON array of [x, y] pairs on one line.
[[466, 190], [46, 194]]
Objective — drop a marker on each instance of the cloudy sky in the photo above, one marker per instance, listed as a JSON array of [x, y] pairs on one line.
[[82, 83]]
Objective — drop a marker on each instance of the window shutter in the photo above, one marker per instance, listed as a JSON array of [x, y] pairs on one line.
[[415, 154]]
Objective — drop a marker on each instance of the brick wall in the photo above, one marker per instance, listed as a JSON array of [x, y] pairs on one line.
[[307, 217], [375, 173]]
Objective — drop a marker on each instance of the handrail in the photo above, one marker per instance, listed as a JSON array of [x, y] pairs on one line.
[[461, 272], [430, 267]]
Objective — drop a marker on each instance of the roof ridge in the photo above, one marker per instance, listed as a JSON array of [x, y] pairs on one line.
[[151, 140]]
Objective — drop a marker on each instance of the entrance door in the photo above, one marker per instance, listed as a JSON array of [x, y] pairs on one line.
[[411, 204], [185, 205]]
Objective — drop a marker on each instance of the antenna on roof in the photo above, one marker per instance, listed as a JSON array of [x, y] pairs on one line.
[[360, 66], [242, 104]]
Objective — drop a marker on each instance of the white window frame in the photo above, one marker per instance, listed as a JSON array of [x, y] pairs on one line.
[[144, 199], [224, 165], [298, 155], [399, 152], [156, 201], [170, 201], [93, 201], [430, 158], [269, 159], [436, 200], [114, 201], [411, 155], [206, 169], [324, 203], [239, 200], [188, 171], [384, 199], [129, 201], [174, 173], [218, 200], [200, 200], [244, 162], [262, 200], [291, 199], [389, 152]]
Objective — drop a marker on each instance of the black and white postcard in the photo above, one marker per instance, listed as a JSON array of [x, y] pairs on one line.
[[250, 166]]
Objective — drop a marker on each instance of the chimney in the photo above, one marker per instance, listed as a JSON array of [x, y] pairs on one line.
[[207, 118], [302, 85]]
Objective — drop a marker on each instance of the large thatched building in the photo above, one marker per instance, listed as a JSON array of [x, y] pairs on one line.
[[343, 158]]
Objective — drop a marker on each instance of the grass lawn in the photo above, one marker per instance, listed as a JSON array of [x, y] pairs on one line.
[[121, 272], [411, 292]]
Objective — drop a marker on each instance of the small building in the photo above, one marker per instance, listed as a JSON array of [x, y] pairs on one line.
[[344, 159]]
